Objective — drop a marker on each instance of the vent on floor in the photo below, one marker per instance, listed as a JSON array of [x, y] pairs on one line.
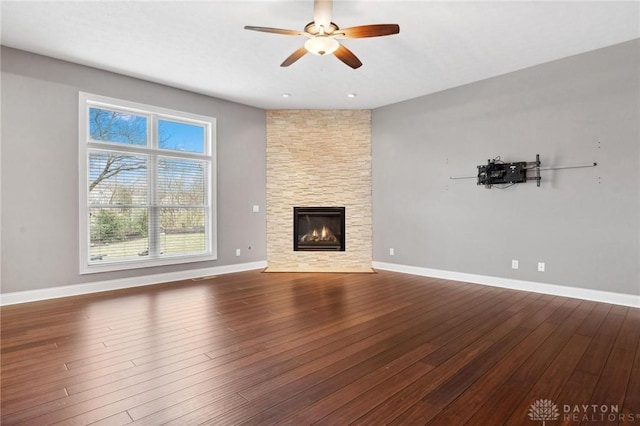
[[208, 277]]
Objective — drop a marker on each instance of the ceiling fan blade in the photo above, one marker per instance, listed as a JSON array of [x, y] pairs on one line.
[[273, 30], [347, 56], [294, 57], [322, 10], [364, 31]]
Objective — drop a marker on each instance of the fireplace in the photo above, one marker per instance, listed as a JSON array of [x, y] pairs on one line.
[[318, 228]]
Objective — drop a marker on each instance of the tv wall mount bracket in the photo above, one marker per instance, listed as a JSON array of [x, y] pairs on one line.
[[498, 172]]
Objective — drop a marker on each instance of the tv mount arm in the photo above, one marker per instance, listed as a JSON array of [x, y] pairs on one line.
[[497, 172]]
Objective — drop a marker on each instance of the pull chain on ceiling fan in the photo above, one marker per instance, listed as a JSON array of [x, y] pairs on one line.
[[323, 35]]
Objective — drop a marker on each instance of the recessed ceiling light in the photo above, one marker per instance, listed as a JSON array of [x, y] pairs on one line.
[[352, 95], [286, 95]]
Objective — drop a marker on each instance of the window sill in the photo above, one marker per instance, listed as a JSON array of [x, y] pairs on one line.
[[96, 267]]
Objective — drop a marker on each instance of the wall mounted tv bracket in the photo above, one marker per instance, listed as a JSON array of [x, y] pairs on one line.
[[497, 172]]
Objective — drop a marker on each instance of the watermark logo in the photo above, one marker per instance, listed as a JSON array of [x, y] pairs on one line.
[[543, 410]]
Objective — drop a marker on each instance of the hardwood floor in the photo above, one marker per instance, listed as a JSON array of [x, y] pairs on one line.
[[255, 349]]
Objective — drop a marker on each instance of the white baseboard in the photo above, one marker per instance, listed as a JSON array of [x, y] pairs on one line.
[[95, 287], [552, 289]]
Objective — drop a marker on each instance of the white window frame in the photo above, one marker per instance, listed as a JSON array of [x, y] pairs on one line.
[[153, 114]]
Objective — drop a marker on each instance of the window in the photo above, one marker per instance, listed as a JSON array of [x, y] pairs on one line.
[[147, 181]]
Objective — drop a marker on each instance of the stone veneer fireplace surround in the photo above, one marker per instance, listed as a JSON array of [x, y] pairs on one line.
[[319, 158]]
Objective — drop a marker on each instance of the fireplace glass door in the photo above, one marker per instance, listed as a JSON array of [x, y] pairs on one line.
[[318, 228]]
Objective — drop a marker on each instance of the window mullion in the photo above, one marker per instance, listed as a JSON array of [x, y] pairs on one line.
[[154, 211]]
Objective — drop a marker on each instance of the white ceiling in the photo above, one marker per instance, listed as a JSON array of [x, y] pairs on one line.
[[202, 46]]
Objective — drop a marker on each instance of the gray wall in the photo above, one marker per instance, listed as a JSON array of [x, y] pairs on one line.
[[583, 223], [40, 169]]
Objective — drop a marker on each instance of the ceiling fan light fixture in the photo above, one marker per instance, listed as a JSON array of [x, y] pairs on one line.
[[321, 45]]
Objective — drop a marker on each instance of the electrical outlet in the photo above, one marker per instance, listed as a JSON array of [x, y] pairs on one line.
[[392, 252], [237, 252], [256, 208], [540, 266], [514, 264]]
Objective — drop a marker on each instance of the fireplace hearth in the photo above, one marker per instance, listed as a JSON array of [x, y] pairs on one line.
[[318, 228]]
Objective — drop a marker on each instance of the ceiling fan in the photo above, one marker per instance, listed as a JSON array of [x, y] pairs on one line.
[[323, 35]]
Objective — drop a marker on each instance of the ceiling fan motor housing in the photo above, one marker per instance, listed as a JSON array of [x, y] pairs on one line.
[[311, 28]]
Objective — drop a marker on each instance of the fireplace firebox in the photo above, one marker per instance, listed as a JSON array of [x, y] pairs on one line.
[[318, 228]]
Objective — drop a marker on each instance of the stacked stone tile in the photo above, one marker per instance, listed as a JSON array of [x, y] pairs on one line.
[[319, 158]]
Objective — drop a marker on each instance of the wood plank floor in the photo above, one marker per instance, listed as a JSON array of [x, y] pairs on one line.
[[256, 348]]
